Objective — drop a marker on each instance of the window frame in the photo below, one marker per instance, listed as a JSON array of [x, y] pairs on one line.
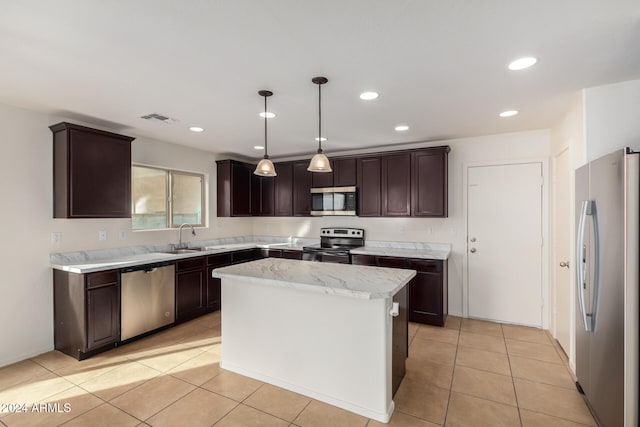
[[169, 172]]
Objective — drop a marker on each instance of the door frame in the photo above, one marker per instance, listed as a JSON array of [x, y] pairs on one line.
[[553, 276], [544, 163]]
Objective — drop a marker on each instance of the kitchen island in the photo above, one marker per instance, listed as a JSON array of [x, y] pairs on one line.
[[320, 329]]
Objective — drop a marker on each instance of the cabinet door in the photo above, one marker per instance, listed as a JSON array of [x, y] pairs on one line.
[[396, 185], [323, 179], [99, 176], [190, 294], [369, 186], [301, 189], [103, 315], [429, 192], [266, 196], [425, 299], [214, 299], [283, 183], [240, 189], [344, 172]]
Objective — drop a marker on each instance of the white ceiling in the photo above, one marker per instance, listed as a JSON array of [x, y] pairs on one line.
[[440, 66]]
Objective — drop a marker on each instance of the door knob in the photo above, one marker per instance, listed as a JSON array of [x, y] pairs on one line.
[[472, 250], [564, 264]]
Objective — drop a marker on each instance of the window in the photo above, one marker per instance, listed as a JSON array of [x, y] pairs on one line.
[[163, 198]]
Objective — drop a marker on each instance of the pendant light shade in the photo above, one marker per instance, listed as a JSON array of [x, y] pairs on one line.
[[319, 162], [265, 166]]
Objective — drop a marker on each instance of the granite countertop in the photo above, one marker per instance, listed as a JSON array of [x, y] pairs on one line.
[[440, 251], [89, 262], [354, 281], [106, 259]]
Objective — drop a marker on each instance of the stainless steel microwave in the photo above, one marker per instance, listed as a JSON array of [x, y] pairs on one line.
[[334, 201]]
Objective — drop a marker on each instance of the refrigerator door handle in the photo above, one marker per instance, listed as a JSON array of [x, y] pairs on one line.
[[581, 257], [593, 212]]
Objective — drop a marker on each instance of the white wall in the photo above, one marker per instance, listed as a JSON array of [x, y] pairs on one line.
[[26, 293], [612, 118], [493, 148]]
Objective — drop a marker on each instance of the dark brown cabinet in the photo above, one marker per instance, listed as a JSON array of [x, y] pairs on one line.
[[234, 188], [301, 189], [369, 170], [428, 290], [283, 190], [343, 174], [191, 289], [281, 253], [86, 312], [262, 195], [429, 192], [91, 173], [396, 185], [392, 184], [213, 298]]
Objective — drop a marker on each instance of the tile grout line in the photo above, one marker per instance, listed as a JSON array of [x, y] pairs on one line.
[[453, 373], [303, 409], [513, 381]]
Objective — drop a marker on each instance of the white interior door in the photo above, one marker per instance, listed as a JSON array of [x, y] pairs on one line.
[[504, 243], [563, 307]]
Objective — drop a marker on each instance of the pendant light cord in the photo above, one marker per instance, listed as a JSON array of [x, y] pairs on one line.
[[320, 118], [266, 156]]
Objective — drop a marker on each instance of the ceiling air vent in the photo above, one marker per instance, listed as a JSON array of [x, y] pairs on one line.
[[158, 118]]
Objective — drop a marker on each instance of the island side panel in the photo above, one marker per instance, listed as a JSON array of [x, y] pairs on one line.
[[332, 348]]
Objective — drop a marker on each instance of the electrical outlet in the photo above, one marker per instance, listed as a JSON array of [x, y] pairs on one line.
[[56, 237], [102, 235], [122, 234]]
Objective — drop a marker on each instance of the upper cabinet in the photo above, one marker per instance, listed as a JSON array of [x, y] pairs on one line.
[[91, 173], [301, 189], [429, 182], [407, 183], [343, 174], [234, 188]]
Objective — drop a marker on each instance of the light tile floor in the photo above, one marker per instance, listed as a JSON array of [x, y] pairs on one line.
[[469, 373]]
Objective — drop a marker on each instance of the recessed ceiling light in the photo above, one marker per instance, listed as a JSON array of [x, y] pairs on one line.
[[368, 96], [196, 129], [258, 147], [321, 139], [267, 114], [508, 113], [401, 128], [522, 63]]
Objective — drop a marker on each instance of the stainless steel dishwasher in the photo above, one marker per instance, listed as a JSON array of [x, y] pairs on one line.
[[147, 298]]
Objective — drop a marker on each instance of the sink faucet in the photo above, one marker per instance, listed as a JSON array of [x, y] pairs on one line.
[[180, 245]]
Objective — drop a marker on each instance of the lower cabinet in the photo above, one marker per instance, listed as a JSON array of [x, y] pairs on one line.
[[281, 253], [86, 312], [191, 289], [428, 290], [214, 299]]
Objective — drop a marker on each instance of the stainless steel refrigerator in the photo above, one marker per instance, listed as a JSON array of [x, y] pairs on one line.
[[607, 258]]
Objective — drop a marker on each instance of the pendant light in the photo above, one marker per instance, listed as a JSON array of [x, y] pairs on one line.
[[265, 167], [319, 162]]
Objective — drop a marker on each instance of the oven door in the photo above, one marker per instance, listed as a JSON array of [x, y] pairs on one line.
[[339, 257]]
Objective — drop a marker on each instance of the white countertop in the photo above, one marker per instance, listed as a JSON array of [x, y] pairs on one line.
[[424, 253], [84, 263], [340, 279]]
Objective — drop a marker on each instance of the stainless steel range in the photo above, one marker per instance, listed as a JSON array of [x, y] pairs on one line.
[[335, 244]]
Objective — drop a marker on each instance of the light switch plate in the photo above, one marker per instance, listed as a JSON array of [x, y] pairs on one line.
[[122, 234], [56, 237], [102, 235]]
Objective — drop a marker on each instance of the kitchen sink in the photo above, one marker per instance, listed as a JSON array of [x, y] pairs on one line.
[[182, 251]]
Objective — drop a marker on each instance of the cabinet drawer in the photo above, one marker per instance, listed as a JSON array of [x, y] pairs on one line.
[[191, 264], [426, 265], [359, 259], [271, 253], [291, 254], [219, 260], [101, 278], [242, 256], [392, 262]]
